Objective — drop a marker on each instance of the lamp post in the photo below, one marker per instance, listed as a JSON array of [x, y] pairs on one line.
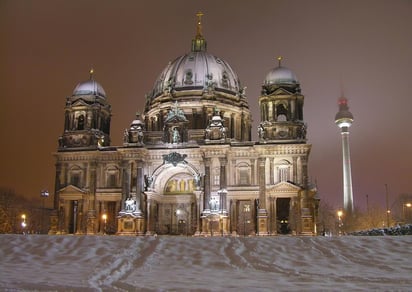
[[104, 217], [43, 194], [23, 222], [246, 211], [340, 213], [388, 212], [404, 210]]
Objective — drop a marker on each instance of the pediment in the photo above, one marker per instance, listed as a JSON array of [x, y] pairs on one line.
[[281, 91], [71, 189], [79, 102], [284, 187], [176, 119]]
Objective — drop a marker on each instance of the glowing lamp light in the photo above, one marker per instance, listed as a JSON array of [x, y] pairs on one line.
[[23, 223], [344, 124]]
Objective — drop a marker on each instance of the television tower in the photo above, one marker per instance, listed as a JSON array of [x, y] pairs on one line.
[[344, 119]]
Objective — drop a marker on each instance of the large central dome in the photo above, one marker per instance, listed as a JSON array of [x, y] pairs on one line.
[[197, 72], [198, 85]]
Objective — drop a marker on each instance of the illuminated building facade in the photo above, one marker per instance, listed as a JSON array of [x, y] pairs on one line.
[[188, 164]]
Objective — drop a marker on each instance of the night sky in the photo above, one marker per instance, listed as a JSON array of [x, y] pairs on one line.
[[362, 49]]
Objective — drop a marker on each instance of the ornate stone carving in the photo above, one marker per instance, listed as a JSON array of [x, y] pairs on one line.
[[215, 130], [174, 158]]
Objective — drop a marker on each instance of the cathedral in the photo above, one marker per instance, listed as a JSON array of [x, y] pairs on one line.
[[188, 165]]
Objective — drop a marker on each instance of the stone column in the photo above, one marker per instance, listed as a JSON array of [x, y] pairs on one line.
[[126, 181], [149, 230], [206, 202], [262, 216], [272, 172], [223, 184], [92, 202], [198, 195], [262, 183], [295, 169], [139, 185]]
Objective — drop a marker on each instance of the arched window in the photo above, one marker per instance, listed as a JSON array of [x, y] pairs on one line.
[[281, 113], [216, 176], [243, 173], [112, 177], [80, 122], [75, 176], [283, 170]]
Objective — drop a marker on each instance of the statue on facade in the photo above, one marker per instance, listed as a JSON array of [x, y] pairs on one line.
[[148, 180], [125, 136], [175, 135], [213, 204], [197, 180], [261, 132], [130, 205]]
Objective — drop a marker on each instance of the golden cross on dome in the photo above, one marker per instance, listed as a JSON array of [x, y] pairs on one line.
[[280, 60], [91, 73], [199, 23]]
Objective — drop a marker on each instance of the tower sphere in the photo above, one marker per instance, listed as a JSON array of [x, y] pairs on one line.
[[344, 117]]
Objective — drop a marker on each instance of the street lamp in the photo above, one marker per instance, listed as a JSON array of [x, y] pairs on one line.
[[104, 217], [404, 210], [23, 222], [43, 194], [246, 211], [340, 214]]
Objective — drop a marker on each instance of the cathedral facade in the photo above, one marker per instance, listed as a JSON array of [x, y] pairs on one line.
[[188, 164]]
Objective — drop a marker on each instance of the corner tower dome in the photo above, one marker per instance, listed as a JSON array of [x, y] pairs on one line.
[[281, 77], [89, 87]]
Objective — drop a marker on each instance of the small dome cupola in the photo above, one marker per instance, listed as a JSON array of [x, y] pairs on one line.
[[281, 77], [199, 43], [89, 87]]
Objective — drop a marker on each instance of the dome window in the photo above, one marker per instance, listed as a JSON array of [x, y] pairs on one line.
[[225, 79], [189, 77]]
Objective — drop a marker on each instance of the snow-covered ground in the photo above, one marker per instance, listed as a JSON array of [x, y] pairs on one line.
[[123, 263]]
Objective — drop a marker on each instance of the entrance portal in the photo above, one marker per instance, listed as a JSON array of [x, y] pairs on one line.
[[246, 215], [175, 219], [282, 215]]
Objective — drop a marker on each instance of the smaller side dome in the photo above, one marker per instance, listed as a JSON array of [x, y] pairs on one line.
[[281, 75], [89, 87]]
